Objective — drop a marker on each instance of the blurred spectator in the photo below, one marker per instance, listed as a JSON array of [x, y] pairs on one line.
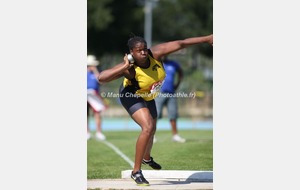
[[94, 100], [167, 96]]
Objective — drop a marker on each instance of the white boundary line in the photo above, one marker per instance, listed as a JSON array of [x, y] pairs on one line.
[[119, 153]]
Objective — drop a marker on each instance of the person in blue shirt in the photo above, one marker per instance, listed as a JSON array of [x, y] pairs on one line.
[[94, 100], [167, 98]]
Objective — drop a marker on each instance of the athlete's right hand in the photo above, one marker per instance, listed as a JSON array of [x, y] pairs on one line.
[[127, 64]]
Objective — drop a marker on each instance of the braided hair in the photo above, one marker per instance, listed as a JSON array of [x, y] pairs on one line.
[[134, 40]]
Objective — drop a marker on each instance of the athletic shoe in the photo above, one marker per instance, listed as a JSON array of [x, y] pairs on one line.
[[88, 136], [152, 164], [177, 138], [139, 178], [100, 136]]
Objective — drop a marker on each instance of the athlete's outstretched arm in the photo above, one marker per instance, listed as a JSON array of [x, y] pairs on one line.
[[163, 49]]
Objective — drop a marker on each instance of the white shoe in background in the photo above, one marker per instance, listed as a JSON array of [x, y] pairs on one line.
[[154, 140], [177, 138], [100, 136], [89, 136]]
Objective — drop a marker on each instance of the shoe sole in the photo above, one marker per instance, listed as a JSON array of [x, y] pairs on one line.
[[150, 166], [141, 184], [144, 184], [155, 168]]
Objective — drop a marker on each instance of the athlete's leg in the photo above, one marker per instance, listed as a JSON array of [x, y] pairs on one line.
[[153, 111], [144, 119]]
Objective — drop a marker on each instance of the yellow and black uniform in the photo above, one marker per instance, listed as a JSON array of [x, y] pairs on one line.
[[143, 88], [147, 81]]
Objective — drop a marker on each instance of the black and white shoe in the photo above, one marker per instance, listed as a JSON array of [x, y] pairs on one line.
[[139, 178], [152, 164]]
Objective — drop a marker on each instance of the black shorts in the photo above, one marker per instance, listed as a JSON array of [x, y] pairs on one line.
[[132, 103]]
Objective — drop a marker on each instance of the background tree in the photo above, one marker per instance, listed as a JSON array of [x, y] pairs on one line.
[[175, 19], [110, 22], [119, 18]]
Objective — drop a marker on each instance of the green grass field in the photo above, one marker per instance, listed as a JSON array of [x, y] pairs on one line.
[[195, 154]]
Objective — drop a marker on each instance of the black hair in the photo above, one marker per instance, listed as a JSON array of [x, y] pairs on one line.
[[135, 39]]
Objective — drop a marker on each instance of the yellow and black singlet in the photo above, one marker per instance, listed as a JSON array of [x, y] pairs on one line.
[[147, 81]]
